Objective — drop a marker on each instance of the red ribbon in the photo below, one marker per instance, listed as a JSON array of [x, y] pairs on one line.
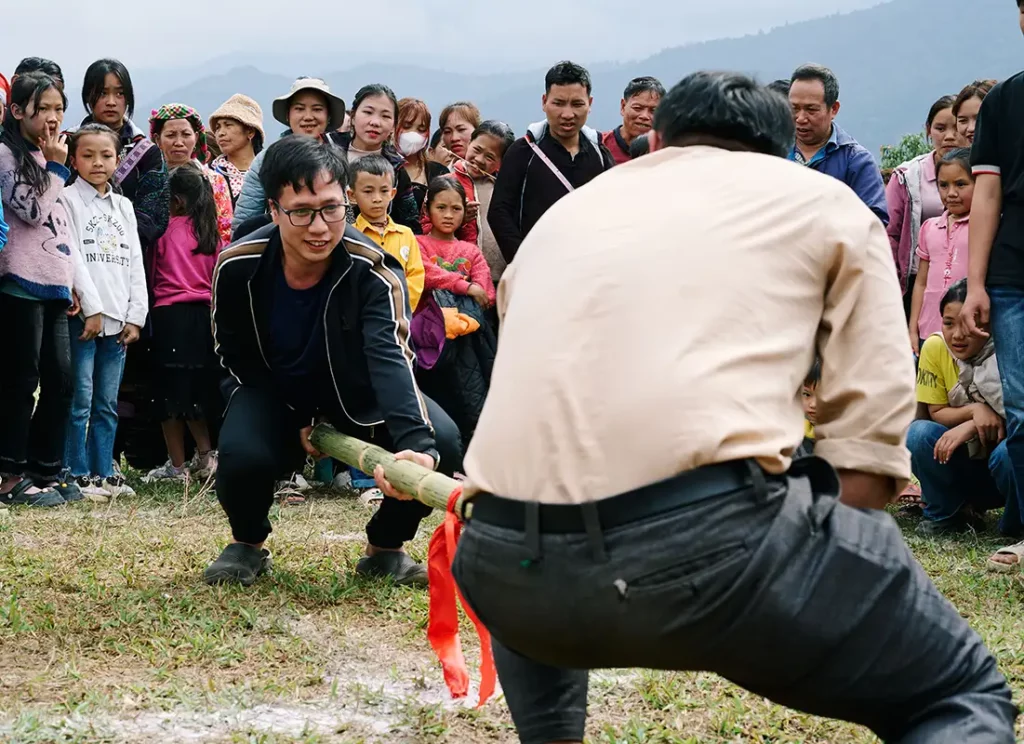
[[443, 622]]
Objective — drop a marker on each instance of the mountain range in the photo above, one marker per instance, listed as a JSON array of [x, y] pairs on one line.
[[893, 60]]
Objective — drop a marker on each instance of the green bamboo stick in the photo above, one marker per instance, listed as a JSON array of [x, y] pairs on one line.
[[426, 486]]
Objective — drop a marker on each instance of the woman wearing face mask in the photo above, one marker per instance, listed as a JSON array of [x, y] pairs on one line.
[[411, 137], [374, 113]]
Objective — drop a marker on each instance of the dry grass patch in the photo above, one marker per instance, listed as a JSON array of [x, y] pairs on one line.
[[107, 634]]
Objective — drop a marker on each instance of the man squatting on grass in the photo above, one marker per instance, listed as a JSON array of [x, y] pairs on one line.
[[311, 321], [643, 510]]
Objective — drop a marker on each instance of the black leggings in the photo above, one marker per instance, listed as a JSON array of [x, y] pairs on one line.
[[260, 439]]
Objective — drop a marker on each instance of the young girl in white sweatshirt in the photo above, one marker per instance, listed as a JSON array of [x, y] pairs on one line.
[[111, 255]]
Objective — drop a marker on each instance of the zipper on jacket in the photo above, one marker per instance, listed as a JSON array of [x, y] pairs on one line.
[[255, 325], [330, 364]]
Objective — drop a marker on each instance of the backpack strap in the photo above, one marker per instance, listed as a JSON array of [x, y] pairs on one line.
[[133, 159]]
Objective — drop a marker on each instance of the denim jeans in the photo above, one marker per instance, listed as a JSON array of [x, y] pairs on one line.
[[1008, 331], [946, 489], [92, 426], [34, 335]]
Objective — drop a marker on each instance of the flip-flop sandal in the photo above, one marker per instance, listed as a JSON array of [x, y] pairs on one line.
[[373, 497], [1016, 550]]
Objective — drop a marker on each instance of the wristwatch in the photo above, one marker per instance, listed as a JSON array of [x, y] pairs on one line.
[[435, 454]]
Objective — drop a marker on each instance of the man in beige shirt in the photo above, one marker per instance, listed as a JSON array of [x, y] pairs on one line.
[[635, 500]]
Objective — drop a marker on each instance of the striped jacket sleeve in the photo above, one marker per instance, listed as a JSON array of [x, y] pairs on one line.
[[388, 349]]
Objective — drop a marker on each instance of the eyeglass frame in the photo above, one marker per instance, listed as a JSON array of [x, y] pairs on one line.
[[314, 213]]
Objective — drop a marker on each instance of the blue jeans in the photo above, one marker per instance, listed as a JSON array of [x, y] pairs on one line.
[[946, 489], [1008, 331], [97, 368]]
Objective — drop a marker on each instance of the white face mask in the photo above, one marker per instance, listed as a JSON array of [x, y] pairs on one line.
[[410, 143]]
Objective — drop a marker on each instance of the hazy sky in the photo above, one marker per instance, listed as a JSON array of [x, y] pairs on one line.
[[484, 34]]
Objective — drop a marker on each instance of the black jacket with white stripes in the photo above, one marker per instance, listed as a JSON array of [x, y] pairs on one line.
[[366, 327]]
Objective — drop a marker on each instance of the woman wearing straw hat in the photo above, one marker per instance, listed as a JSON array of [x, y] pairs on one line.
[[308, 108], [238, 128], [179, 132]]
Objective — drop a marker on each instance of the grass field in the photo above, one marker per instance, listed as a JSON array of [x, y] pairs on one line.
[[107, 634]]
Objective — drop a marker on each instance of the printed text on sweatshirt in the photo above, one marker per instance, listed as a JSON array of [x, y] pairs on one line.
[[111, 252]]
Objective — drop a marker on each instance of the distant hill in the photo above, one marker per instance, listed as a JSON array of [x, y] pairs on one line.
[[893, 61]]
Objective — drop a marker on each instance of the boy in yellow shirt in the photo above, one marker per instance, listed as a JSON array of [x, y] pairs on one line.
[[809, 399], [371, 188]]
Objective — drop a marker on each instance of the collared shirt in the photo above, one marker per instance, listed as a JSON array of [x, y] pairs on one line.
[[685, 334], [400, 242], [944, 246], [833, 142]]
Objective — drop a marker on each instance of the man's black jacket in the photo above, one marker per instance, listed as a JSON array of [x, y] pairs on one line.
[[370, 379], [526, 188]]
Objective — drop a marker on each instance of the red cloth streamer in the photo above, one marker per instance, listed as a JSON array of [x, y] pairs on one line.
[[443, 622]]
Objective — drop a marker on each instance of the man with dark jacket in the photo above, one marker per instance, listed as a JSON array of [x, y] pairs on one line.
[[555, 157], [822, 144], [311, 321]]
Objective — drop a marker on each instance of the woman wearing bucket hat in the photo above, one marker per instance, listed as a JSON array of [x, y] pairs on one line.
[[238, 128], [179, 132], [308, 108]]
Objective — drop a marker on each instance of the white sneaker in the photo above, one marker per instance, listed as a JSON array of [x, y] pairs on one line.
[[93, 490], [117, 486], [296, 483], [165, 472], [203, 466]]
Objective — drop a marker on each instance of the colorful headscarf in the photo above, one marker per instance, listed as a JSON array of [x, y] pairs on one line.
[[181, 111]]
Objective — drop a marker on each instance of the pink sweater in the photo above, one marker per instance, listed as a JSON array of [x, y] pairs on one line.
[[454, 265], [945, 250], [179, 275]]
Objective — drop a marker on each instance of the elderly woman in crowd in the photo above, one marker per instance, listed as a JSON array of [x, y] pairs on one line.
[[179, 132], [237, 127]]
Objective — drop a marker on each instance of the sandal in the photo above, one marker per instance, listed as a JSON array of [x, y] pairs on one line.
[[1017, 551], [18, 495]]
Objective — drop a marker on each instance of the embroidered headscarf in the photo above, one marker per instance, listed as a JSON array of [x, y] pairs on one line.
[[181, 111]]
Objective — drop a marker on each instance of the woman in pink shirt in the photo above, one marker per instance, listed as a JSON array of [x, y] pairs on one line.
[[912, 196], [942, 248], [182, 275]]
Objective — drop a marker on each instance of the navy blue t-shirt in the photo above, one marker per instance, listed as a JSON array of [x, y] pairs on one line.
[[297, 353]]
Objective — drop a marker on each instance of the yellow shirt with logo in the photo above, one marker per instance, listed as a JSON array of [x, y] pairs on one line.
[[937, 372], [400, 242]]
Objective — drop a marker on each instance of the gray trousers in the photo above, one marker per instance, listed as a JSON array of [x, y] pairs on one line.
[[777, 587]]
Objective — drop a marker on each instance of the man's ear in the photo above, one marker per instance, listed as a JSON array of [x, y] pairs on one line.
[[835, 109], [275, 214]]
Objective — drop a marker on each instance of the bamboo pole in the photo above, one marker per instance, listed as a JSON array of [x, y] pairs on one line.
[[426, 486]]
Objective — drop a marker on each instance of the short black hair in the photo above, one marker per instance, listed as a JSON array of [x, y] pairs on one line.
[[960, 156], [96, 79], [436, 139], [639, 147], [814, 374], [780, 86], [567, 73], [297, 161], [373, 165], [645, 84], [824, 75], [40, 64], [725, 109], [957, 292], [93, 128], [497, 129]]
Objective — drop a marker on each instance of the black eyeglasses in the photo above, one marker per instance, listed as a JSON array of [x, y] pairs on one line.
[[304, 217]]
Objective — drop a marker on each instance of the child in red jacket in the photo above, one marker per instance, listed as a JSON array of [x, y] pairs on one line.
[[450, 263]]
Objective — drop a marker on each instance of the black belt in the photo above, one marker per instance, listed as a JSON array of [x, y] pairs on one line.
[[680, 490]]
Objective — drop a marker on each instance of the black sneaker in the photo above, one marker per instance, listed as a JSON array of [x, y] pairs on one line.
[[238, 564], [399, 566]]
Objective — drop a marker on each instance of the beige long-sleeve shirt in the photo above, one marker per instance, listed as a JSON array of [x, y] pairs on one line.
[[664, 317]]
